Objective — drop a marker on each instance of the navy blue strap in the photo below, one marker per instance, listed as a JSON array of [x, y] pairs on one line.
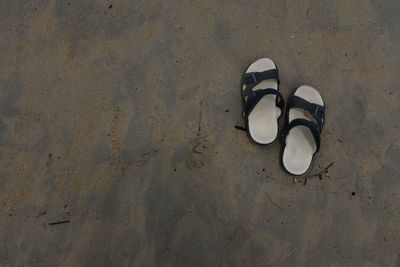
[[251, 99], [256, 77], [314, 128], [317, 111]]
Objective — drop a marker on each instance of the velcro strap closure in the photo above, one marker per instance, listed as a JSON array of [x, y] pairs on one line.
[[317, 111], [256, 77]]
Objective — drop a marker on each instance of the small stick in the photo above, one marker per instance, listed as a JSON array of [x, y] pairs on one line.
[[324, 171], [240, 128], [154, 119], [59, 222]]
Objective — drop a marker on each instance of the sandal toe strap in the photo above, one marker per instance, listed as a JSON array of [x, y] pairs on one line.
[[252, 98], [316, 111], [314, 128]]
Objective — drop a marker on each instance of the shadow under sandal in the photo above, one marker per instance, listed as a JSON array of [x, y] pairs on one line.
[[302, 136], [262, 102]]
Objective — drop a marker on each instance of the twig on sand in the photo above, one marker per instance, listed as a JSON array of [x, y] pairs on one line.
[[154, 119], [320, 174], [237, 127], [59, 222]]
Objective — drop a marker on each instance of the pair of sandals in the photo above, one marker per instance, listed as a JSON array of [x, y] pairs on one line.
[[263, 105]]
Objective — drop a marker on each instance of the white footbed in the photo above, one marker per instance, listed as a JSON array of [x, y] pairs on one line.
[[300, 144], [263, 119]]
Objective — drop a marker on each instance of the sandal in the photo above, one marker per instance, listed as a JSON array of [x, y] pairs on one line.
[[262, 102], [302, 136]]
